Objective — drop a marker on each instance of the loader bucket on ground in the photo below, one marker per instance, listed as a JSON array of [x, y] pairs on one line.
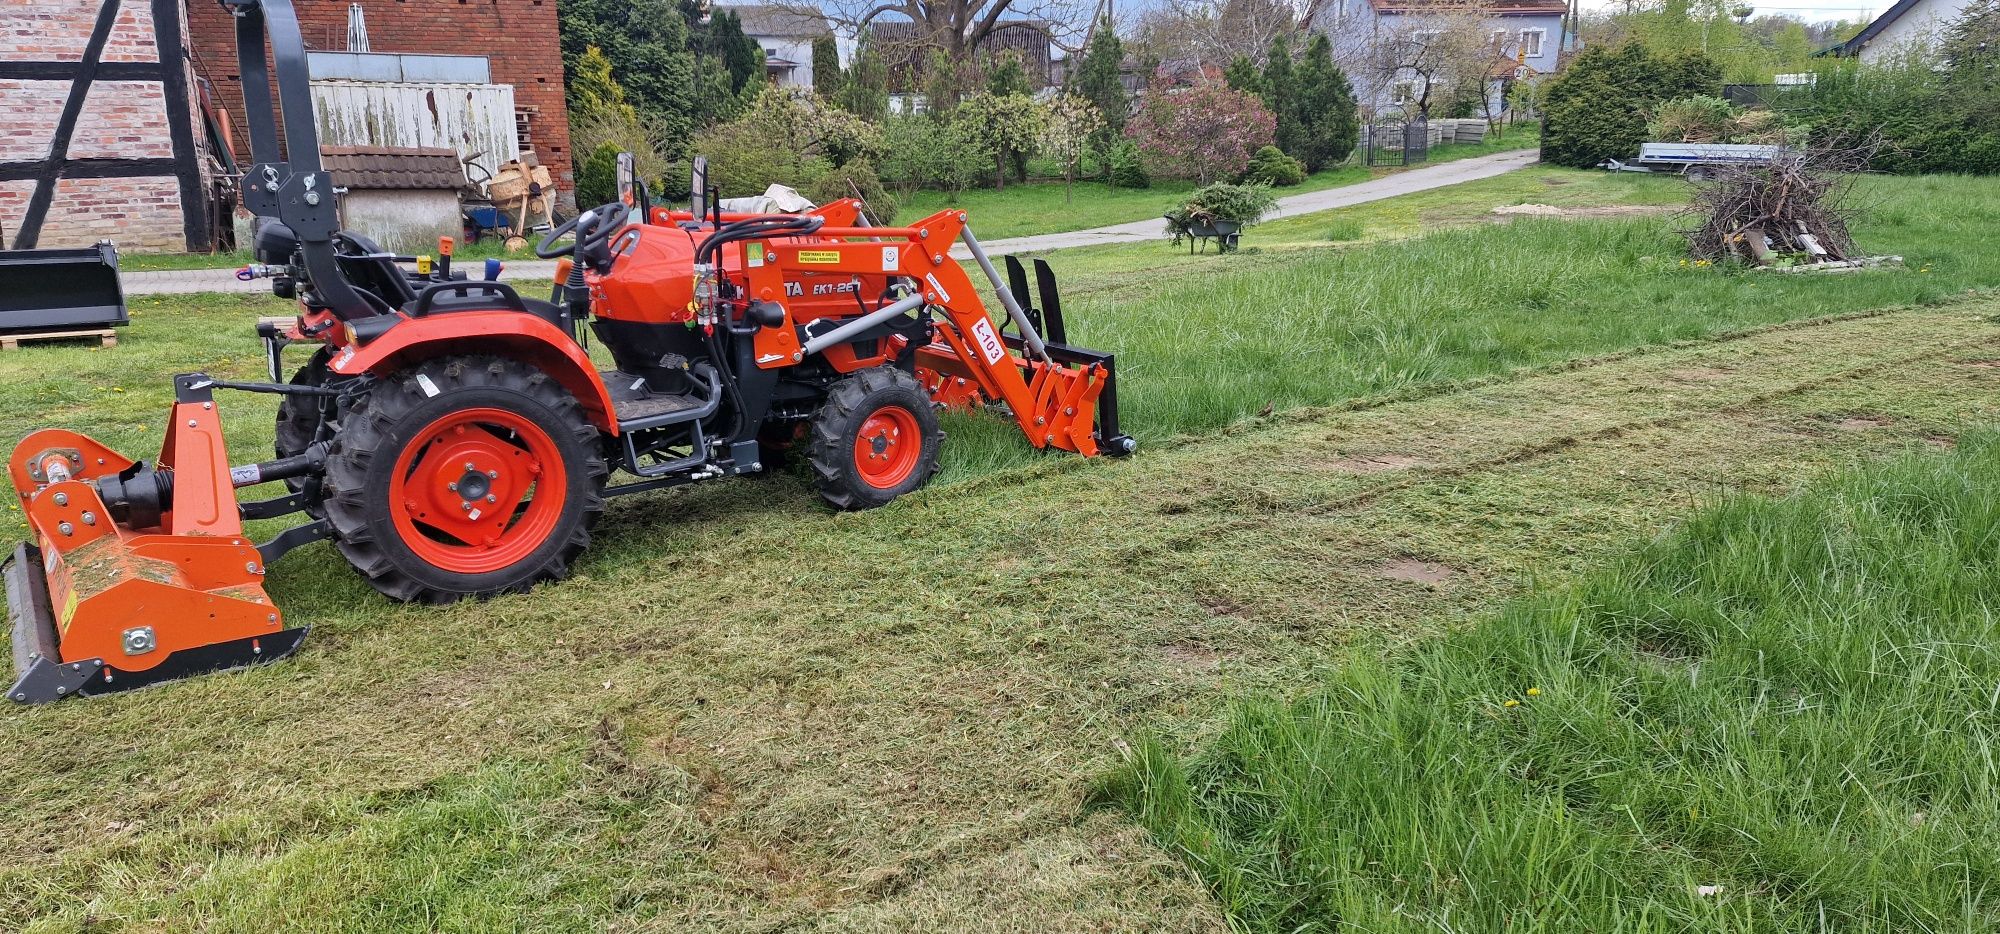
[[47, 290]]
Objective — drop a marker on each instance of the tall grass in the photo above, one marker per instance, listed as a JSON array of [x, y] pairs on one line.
[[1783, 717], [1207, 341]]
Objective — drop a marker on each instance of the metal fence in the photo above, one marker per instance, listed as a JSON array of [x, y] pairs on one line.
[[1396, 143]]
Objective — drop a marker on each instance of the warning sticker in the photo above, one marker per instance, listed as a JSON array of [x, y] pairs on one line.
[[892, 259], [755, 254], [989, 342], [819, 256]]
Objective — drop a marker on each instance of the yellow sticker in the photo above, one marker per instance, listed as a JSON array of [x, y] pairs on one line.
[[819, 256], [68, 613]]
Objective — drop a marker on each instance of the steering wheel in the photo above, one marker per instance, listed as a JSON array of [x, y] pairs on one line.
[[594, 229]]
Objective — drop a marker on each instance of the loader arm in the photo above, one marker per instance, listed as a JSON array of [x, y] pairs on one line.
[[1053, 395]]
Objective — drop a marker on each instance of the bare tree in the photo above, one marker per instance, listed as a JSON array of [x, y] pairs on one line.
[[1216, 32], [958, 27], [1430, 59]]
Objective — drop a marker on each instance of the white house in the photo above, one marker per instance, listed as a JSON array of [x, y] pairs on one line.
[[1526, 38], [1907, 25], [786, 36]]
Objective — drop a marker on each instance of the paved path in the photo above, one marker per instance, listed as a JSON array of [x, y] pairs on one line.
[[179, 282], [1388, 186]]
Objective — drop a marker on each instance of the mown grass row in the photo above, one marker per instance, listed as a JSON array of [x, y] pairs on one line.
[[1212, 340], [1781, 717]]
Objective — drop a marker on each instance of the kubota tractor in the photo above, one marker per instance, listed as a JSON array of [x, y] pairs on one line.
[[454, 438]]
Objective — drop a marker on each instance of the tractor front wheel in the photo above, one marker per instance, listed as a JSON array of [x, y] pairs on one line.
[[875, 438], [464, 477]]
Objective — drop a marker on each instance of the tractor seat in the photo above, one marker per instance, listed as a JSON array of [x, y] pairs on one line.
[[475, 299]]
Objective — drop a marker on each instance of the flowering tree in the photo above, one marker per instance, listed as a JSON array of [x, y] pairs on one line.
[[1205, 132], [1000, 125], [1068, 124]]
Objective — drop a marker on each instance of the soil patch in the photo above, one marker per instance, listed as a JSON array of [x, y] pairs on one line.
[[1416, 570], [1191, 656]]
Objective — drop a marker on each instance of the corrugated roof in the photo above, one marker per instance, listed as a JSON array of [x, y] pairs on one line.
[[392, 167], [779, 22], [906, 46]]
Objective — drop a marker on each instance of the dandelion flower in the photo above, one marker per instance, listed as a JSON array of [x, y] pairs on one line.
[[1512, 703], [1534, 692]]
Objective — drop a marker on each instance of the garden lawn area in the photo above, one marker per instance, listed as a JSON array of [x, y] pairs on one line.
[[1207, 340], [1777, 718], [745, 712], [1042, 207]]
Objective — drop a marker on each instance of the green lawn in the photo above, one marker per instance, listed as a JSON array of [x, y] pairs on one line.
[[746, 713], [1043, 207], [1207, 340], [1779, 718]]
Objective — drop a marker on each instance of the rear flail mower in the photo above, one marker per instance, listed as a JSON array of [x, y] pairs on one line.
[[453, 438]]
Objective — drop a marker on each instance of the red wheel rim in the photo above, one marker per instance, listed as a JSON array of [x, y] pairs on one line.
[[477, 490], [887, 447]]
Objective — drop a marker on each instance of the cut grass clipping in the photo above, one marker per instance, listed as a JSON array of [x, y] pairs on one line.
[[1780, 718]]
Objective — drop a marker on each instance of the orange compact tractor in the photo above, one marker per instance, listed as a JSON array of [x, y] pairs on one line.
[[454, 439]]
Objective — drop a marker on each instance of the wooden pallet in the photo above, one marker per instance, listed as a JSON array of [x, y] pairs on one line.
[[108, 336]]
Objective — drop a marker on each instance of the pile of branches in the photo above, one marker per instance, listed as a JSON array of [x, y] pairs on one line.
[[1790, 211]]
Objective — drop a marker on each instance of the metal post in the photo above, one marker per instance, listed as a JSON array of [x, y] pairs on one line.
[[1028, 333]]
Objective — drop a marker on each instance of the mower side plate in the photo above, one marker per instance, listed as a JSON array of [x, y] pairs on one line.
[[42, 676]]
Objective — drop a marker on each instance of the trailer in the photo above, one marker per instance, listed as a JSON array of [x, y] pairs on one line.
[[1697, 161]]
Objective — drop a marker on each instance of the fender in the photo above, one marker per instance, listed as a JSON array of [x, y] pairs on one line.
[[508, 333]]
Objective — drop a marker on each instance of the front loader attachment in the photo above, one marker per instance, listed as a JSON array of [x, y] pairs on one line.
[[1071, 401], [138, 573]]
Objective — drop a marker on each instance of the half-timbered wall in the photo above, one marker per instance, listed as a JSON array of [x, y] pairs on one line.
[[97, 127]]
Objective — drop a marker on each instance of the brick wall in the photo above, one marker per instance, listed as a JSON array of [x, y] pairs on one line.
[[119, 120], [518, 37]]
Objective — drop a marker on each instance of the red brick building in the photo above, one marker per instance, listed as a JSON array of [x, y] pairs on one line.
[[518, 37], [99, 129]]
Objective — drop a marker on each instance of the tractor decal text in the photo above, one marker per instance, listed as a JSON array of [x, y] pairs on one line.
[[989, 342]]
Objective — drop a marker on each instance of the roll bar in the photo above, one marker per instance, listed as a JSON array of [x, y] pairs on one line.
[[290, 187]]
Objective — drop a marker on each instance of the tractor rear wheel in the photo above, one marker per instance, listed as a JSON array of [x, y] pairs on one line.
[[875, 438], [464, 477]]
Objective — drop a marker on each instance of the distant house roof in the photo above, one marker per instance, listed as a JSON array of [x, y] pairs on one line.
[[906, 47], [391, 167], [777, 22], [1187, 71], [1485, 7], [1869, 32]]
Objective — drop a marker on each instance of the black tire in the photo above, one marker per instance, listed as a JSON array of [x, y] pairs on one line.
[[298, 416], [843, 481], [379, 428], [298, 422]]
